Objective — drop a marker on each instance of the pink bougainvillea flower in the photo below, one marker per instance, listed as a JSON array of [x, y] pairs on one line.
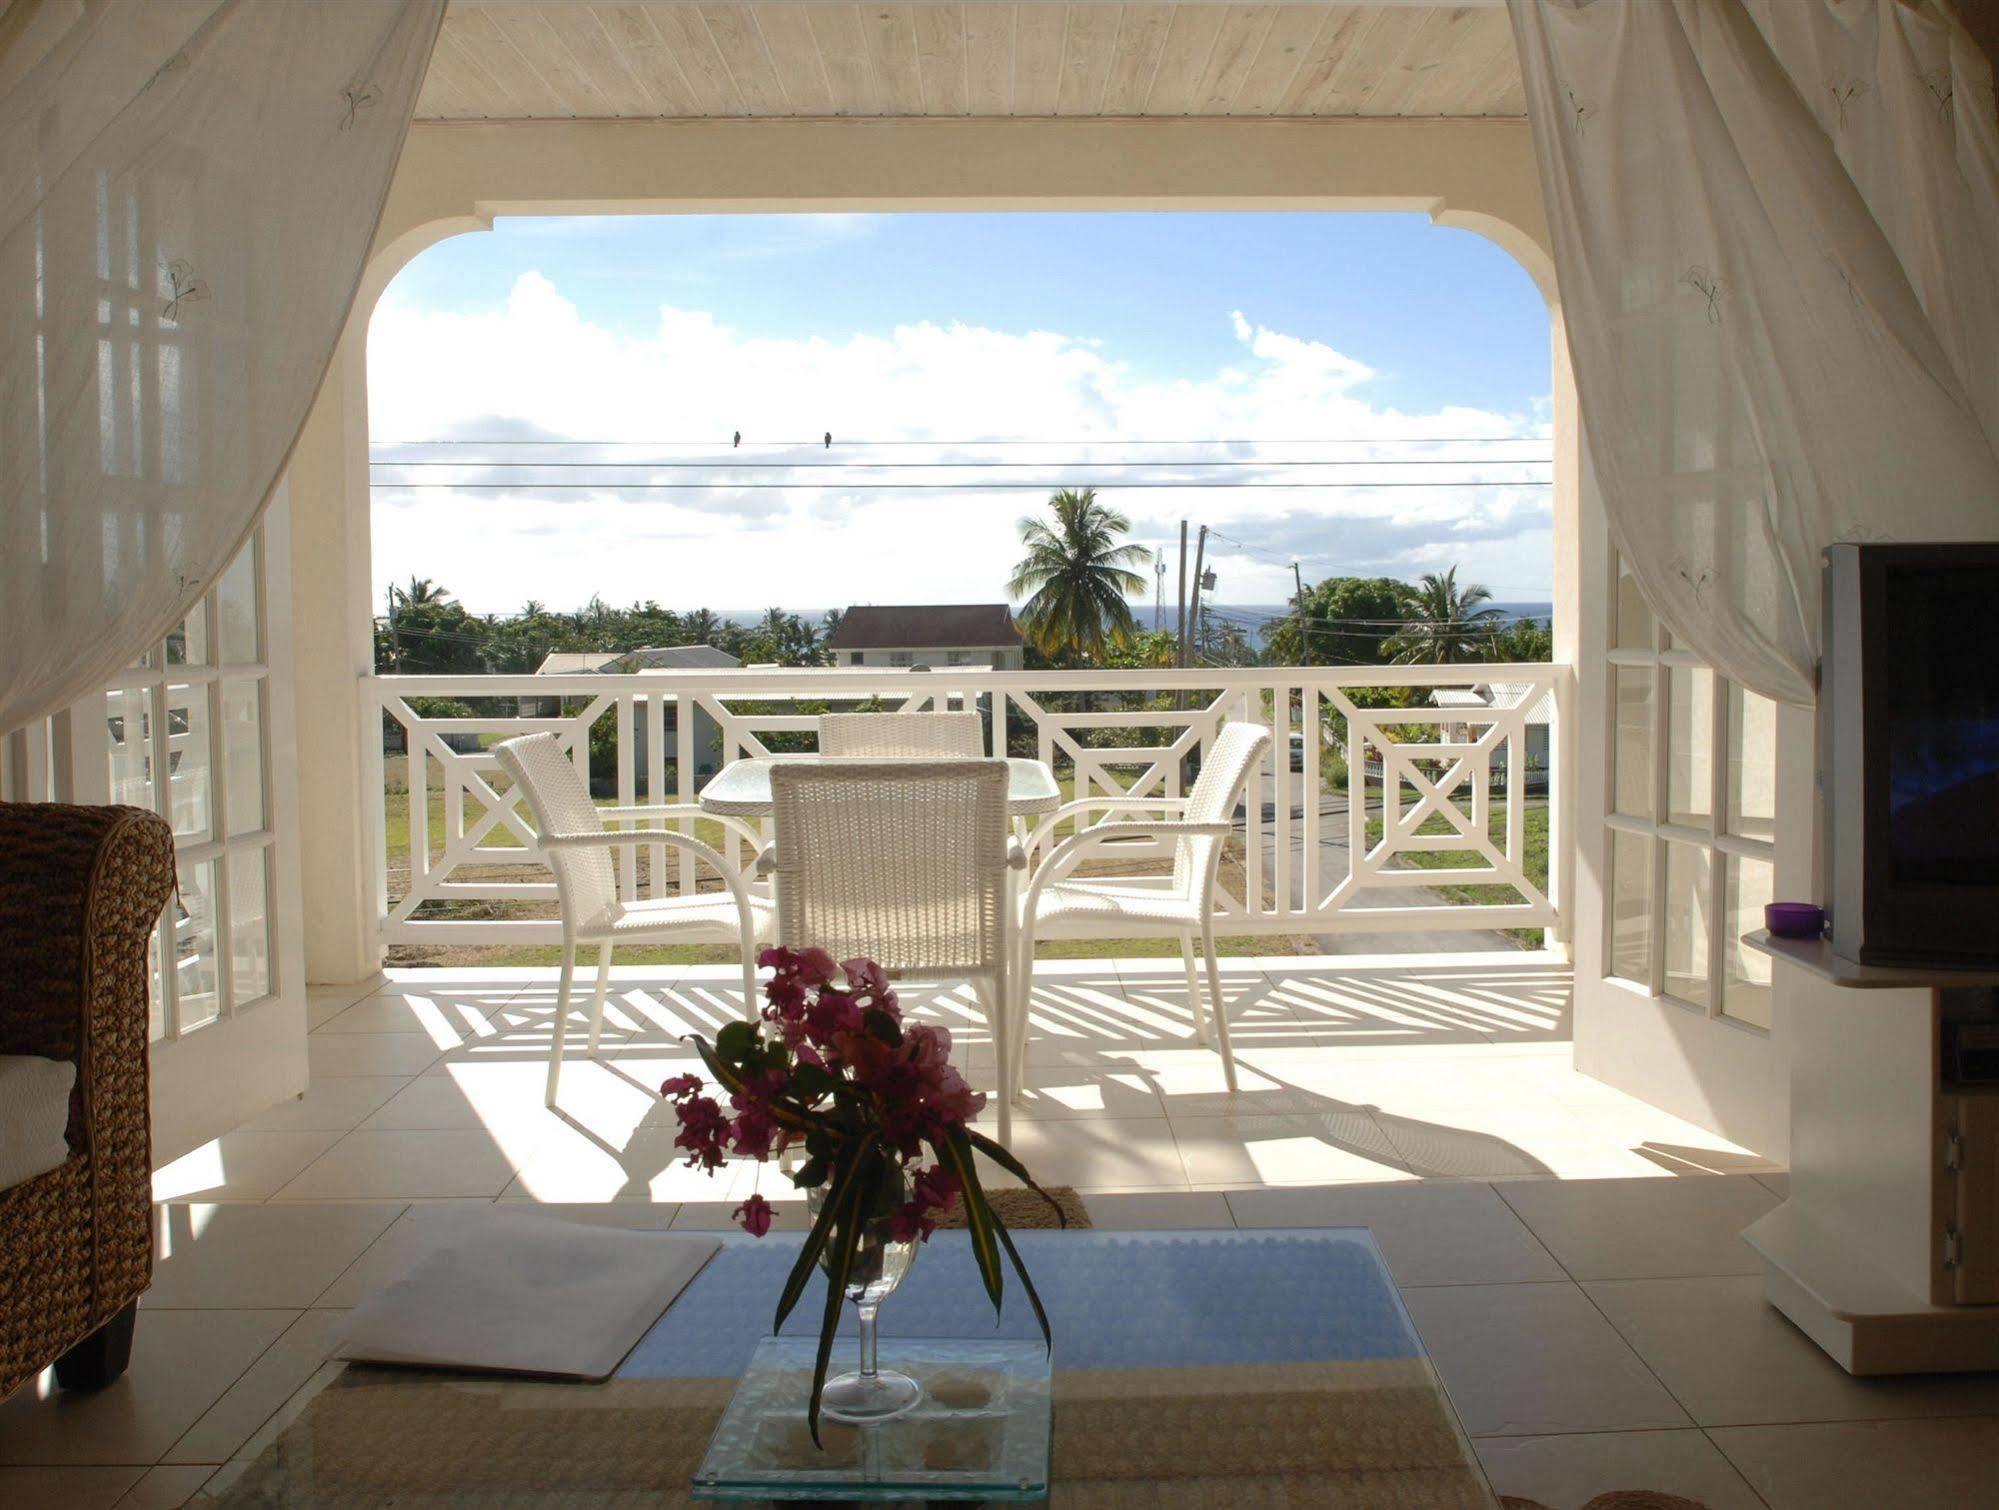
[[754, 1215], [833, 1014], [810, 967], [702, 1129], [681, 1085], [869, 982]]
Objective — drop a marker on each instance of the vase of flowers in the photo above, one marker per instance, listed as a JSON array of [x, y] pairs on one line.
[[881, 1118]]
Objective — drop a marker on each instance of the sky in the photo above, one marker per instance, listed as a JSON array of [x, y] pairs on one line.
[[1359, 393]]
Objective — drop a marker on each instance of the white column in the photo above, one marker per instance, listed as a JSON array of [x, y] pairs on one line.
[[333, 647]]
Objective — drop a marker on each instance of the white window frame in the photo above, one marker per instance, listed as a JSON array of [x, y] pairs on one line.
[[1659, 659]]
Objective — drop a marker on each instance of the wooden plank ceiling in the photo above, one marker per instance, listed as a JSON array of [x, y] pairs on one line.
[[561, 59]]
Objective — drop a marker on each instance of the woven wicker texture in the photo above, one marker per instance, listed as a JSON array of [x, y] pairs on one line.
[[883, 735], [1297, 1435], [80, 891], [902, 861], [1025, 1209], [561, 804]]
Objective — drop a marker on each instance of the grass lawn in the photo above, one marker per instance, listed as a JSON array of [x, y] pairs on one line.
[[1534, 838]]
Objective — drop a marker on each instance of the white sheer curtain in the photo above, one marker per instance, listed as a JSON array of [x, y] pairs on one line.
[[1758, 372], [188, 189]]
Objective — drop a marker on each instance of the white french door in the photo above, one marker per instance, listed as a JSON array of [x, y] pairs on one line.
[[199, 730], [1678, 820]]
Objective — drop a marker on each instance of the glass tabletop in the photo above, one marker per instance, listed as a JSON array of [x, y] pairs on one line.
[[741, 789]]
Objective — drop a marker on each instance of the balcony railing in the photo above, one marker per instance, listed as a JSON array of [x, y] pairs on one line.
[[1388, 813]]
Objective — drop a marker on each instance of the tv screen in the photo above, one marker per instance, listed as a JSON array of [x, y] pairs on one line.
[[1942, 725]]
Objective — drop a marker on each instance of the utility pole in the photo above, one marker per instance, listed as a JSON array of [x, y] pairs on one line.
[[1299, 577], [1158, 591], [1180, 604], [1194, 603]]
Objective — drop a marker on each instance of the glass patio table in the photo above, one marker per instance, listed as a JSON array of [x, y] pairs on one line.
[[741, 789]]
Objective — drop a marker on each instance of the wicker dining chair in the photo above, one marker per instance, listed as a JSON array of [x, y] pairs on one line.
[[869, 736], [907, 863], [1182, 904], [576, 845]]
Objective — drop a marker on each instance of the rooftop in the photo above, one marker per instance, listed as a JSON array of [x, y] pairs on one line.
[[650, 658]]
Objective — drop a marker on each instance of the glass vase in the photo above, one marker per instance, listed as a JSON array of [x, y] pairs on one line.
[[870, 1393]]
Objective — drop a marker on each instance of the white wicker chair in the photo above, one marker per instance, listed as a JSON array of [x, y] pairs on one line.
[[576, 845], [1183, 904], [876, 736], [906, 862]]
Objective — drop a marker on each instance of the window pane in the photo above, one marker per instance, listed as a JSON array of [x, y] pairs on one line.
[[249, 926], [1689, 906], [1689, 745], [1632, 783], [1745, 976], [1634, 618], [243, 740], [1752, 765], [236, 602], [156, 991], [128, 734], [190, 777], [194, 946], [187, 643], [1631, 907]]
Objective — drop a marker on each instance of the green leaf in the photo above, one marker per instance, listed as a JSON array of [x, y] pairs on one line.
[[815, 1240], [867, 1168], [883, 1026], [1003, 1156], [726, 1074], [1033, 1298], [737, 1043], [956, 1155], [810, 1174], [813, 1081]]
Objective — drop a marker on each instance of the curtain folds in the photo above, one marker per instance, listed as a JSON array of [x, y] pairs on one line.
[[188, 192], [1774, 245]]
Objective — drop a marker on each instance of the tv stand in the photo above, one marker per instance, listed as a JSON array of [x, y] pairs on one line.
[[1886, 1254]]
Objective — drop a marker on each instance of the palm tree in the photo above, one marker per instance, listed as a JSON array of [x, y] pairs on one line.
[[1076, 578], [702, 626], [1446, 624], [420, 590]]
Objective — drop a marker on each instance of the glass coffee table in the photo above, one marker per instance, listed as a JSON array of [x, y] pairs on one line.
[[1189, 1367]]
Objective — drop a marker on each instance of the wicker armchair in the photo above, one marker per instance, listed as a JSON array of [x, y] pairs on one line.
[[80, 890], [887, 736]]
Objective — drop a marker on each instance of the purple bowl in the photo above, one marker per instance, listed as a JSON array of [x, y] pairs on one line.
[[1794, 920]]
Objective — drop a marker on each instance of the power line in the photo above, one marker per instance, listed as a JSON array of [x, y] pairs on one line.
[[984, 466], [914, 487], [817, 443]]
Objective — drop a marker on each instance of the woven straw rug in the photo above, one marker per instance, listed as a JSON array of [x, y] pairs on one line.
[[1023, 1208]]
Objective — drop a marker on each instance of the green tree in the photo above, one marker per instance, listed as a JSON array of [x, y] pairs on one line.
[[1076, 578], [1448, 624], [420, 591], [703, 624], [1346, 622], [1524, 640]]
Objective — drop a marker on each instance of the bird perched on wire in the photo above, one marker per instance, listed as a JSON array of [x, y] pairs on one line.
[[829, 440], [738, 442]]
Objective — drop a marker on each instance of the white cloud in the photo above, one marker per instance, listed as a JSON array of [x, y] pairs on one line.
[[535, 367]]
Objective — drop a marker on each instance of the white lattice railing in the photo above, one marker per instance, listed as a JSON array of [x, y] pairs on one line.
[[1458, 781]]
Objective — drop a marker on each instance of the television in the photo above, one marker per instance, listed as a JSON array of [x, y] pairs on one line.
[[1909, 747]]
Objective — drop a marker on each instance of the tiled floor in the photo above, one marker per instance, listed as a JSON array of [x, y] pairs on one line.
[[1569, 1255]]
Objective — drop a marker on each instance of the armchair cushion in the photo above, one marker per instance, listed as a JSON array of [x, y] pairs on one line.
[[34, 1111]]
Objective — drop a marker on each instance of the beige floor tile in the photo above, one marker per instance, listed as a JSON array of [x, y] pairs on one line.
[[1325, 1148], [182, 1363], [1533, 1360], [256, 1257], [446, 1016], [273, 1379], [1732, 1359], [324, 1003], [1107, 1154], [1055, 1095], [1141, 1211], [70, 1488], [646, 1167], [240, 1166], [1777, 1181], [370, 1054], [1882, 1465], [1429, 1233], [1566, 1472], [1643, 1229], [1190, 1083], [383, 1166], [168, 1486], [334, 1103]]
